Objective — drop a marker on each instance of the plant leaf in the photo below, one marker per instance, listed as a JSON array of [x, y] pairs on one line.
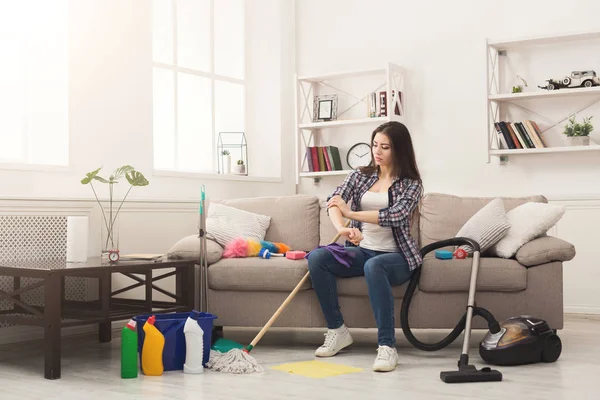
[[136, 178], [101, 179], [89, 176], [120, 172]]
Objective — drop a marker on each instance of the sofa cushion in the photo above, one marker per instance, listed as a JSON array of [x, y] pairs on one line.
[[225, 223], [188, 248], [545, 249], [442, 215], [258, 274], [494, 275], [527, 222], [357, 286], [486, 227], [294, 219]]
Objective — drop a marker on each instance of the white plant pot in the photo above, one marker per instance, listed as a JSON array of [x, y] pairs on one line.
[[240, 169], [579, 140], [227, 164]]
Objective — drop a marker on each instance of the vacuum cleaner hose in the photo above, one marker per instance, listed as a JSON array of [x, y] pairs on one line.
[[460, 326]]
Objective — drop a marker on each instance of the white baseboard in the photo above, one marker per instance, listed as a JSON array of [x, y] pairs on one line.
[[582, 310]]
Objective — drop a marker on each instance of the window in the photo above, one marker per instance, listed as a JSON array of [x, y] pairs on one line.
[[34, 119], [198, 80]]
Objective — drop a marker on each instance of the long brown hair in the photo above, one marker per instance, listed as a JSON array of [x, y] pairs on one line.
[[404, 160]]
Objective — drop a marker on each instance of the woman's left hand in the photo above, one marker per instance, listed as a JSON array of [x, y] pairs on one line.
[[337, 201]]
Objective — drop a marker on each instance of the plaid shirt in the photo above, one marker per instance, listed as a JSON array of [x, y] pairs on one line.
[[403, 195]]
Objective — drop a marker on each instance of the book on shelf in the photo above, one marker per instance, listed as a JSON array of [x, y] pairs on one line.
[[323, 158], [524, 134], [378, 104]]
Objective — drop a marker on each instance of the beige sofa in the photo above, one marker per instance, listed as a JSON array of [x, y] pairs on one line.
[[247, 291]]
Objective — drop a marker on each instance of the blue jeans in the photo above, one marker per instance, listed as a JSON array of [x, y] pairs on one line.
[[381, 270]]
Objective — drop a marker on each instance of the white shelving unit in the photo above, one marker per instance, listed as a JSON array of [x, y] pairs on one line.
[[497, 100], [308, 132]]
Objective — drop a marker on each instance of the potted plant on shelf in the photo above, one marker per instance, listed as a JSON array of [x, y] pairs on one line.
[[240, 168], [579, 134], [110, 214], [226, 161]]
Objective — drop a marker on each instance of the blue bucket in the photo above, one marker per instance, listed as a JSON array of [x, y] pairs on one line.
[[171, 326]]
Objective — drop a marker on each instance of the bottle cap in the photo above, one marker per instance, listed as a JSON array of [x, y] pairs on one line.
[[151, 320], [131, 324]]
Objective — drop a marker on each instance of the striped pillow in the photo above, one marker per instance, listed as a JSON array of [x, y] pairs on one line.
[[486, 227], [224, 223]]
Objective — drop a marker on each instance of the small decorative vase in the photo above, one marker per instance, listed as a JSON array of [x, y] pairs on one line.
[[240, 169], [109, 234], [227, 168]]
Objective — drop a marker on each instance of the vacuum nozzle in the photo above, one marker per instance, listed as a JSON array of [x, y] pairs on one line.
[[468, 373]]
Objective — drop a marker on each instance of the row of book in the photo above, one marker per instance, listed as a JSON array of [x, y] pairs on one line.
[[380, 109], [323, 158], [519, 135]]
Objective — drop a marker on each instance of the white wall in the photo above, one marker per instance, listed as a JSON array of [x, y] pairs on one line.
[[442, 46], [110, 98]]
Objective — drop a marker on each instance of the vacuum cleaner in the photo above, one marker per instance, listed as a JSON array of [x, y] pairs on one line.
[[518, 340]]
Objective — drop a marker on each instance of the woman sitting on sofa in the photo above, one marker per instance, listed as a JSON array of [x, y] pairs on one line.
[[383, 198]]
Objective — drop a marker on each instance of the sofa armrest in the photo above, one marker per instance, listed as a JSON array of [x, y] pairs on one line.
[[543, 250]]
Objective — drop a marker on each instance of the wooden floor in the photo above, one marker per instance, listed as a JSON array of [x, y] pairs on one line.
[[91, 371]]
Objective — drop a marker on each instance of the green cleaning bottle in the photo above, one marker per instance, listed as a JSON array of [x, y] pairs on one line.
[[129, 350]]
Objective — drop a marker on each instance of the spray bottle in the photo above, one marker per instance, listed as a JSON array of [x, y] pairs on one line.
[[152, 351], [194, 347], [129, 344]]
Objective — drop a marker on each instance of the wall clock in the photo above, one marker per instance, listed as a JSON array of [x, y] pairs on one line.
[[359, 155]]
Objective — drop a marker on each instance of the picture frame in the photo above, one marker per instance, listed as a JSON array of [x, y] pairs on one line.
[[325, 108]]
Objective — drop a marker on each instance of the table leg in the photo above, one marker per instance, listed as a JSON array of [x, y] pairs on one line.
[[17, 286], [149, 291], [104, 328], [190, 286], [52, 322]]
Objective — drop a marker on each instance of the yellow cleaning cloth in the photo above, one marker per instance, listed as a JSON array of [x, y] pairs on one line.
[[316, 369]]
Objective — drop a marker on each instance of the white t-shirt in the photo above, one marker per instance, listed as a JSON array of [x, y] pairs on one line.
[[376, 237]]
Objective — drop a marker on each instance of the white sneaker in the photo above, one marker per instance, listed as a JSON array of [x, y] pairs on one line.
[[335, 340], [387, 359]]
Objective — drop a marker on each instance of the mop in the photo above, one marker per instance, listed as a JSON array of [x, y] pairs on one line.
[[203, 301], [238, 360]]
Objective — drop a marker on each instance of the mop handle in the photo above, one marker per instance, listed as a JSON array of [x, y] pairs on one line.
[[286, 302]]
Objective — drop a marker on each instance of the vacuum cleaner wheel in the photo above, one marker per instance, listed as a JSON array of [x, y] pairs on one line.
[[552, 349]]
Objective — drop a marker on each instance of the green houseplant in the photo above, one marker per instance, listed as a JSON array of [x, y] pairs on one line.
[[240, 168], [577, 133], [111, 213]]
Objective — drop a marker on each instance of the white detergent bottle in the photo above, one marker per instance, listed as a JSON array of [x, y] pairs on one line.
[[194, 347]]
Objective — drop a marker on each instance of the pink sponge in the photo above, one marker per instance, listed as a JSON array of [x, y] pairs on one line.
[[236, 248], [295, 254]]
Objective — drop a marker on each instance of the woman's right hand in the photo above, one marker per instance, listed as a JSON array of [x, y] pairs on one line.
[[354, 235]]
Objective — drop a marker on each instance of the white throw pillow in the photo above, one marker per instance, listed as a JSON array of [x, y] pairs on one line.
[[224, 223], [528, 221], [486, 227]]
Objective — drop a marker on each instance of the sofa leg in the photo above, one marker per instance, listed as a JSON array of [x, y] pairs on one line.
[[217, 333]]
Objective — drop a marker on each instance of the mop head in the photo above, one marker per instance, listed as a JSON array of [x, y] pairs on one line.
[[235, 361]]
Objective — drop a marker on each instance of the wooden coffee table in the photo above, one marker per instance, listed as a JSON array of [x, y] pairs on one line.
[[57, 312]]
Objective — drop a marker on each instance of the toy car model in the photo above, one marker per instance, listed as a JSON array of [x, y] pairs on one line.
[[577, 79]]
